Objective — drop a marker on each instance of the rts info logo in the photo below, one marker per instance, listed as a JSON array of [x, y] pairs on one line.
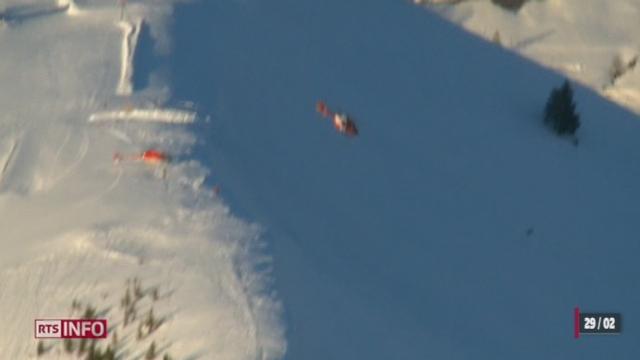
[[71, 329]]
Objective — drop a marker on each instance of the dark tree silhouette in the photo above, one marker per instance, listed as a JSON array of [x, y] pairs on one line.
[[151, 353], [560, 112], [513, 5]]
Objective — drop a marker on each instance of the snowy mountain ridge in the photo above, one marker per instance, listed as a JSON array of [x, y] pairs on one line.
[[592, 41]]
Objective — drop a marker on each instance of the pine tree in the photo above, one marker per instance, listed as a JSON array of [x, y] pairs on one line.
[[93, 353], [41, 349], [496, 38], [126, 300], [68, 345], [150, 321], [137, 289], [151, 353], [114, 340], [75, 305], [109, 354], [618, 68], [560, 112], [513, 5], [82, 347], [89, 312]]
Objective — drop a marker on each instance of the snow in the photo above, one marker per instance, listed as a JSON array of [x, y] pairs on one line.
[[579, 38], [77, 227], [173, 116], [454, 226], [131, 31], [411, 240]]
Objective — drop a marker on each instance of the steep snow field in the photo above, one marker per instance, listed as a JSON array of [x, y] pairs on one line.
[[77, 228], [455, 226], [592, 41]]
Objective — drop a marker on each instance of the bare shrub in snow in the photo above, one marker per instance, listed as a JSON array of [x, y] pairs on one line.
[[619, 67]]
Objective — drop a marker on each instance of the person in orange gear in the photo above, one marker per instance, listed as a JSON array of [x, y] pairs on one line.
[[322, 108], [341, 121], [344, 124]]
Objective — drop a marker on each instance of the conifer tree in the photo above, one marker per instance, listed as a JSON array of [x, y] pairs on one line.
[[560, 112], [151, 353]]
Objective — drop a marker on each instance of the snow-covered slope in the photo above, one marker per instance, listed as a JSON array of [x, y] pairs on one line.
[[455, 226], [592, 41], [77, 228]]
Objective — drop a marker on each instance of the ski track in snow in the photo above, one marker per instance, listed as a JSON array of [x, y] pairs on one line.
[[6, 161], [64, 143], [81, 154]]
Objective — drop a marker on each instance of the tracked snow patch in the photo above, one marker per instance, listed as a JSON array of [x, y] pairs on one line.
[[173, 116], [131, 31]]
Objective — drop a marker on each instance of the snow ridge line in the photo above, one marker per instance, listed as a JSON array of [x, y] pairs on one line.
[[129, 42]]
